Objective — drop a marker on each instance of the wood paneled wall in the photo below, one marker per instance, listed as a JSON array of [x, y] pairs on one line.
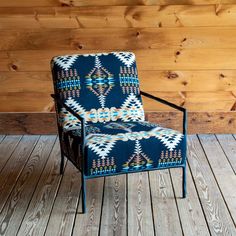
[[186, 53]]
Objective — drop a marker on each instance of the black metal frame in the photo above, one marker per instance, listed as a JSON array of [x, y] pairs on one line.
[[182, 109], [58, 101]]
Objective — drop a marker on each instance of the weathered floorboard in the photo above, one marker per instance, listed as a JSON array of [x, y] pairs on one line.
[[114, 221], [17, 203], [13, 168], [89, 223], [228, 144], [215, 209], [140, 217], [7, 147], [37, 215], [164, 205], [41, 202], [2, 137], [64, 209], [190, 211], [222, 170]]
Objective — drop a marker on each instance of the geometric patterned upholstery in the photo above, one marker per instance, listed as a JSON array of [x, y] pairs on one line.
[[99, 87], [131, 146], [104, 89]]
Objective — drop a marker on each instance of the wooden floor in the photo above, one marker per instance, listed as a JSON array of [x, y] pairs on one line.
[[36, 200]]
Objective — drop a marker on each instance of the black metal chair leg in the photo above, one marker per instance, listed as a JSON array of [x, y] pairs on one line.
[[62, 164], [83, 181], [184, 181]]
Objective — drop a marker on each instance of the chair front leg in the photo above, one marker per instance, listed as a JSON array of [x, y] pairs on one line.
[[184, 181], [83, 186]]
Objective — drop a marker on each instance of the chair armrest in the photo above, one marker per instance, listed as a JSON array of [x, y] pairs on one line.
[[182, 109]]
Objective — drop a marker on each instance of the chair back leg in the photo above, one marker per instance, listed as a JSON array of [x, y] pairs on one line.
[[62, 163]]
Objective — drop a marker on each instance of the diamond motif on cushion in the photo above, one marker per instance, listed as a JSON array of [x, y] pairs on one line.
[[170, 138], [132, 109], [101, 144]]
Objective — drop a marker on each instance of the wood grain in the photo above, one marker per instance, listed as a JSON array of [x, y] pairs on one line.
[[38, 212], [205, 205], [117, 16], [28, 123], [147, 59], [7, 147], [198, 122], [190, 211], [2, 137], [17, 203], [125, 39], [216, 212], [26, 101], [164, 205], [89, 223], [228, 144], [193, 101], [29, 91], [161, 80], [114, 220], [65, 206], [140, 219], [223, 171], [71, 3], [13, 168]]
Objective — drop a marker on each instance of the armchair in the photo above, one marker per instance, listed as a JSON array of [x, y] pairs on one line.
[[101, 123]]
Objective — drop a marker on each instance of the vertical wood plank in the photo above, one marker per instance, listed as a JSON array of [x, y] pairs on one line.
[[14, 166], [222, 170], [216, 212], [38, 212], [228, 143], [16, 205], [88, 224], [7, 147], [114, 219], [165, 212], [140, 219], [190, 212], [64, 210]]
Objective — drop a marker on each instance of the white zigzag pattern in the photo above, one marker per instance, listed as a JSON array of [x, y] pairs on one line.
[[128, 58], [101, 148], [69, 121], [66, 61], [164, 135], [135, 110], [102, 100]]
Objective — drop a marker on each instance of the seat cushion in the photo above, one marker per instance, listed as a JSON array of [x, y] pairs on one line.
[[131, 146]]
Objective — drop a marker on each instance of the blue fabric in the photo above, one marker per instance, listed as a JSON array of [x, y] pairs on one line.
[[104, 89], [99, 87], [131, 146]]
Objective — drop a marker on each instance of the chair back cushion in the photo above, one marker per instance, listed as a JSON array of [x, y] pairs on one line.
[[100, 87]]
